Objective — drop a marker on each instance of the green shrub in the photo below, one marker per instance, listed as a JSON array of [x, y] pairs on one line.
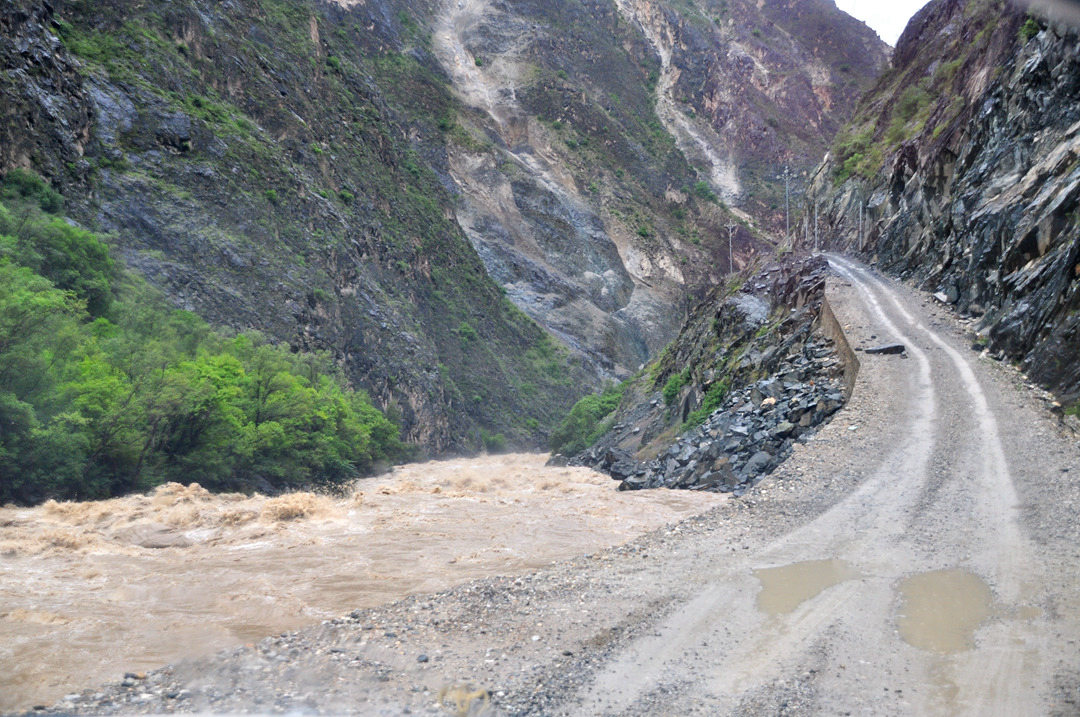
[[856, 153], [1029, 30], [585, 423], [21, 184], [702, 190], [466, 333], [714, 399], [130, 393], [493, 442], [674, 385]]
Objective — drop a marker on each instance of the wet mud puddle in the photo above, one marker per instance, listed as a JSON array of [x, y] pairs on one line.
[[940, 611], [91, 590], [785, 588]]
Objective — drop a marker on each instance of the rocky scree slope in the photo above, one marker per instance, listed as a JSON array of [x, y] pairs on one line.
[[753, 371], [966, 157], [608, 134], [283, 166], [747, 87]]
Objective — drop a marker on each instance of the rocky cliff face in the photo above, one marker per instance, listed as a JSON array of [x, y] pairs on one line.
[[754, 369], [615, 126], [966, 158], [283, 166], [749, 87], [415, 185]]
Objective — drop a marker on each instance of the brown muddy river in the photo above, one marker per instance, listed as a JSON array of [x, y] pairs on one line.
[[91, 590]]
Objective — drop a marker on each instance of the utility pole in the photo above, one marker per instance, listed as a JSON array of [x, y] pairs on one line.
[[817, 237], [817, 233], [787, 202], [731, 228], [860, 223]]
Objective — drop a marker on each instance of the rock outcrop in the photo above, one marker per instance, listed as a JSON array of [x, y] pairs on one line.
[[609, 131], [966, 163], [758, 374]]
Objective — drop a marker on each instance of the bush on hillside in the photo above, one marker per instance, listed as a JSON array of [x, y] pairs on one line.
[[104, 389], [584, 425]]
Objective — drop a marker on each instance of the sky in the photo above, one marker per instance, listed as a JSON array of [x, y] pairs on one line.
[[888, 18]]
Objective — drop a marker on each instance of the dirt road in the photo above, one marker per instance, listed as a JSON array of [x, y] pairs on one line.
[[920, 593], [919, 556]]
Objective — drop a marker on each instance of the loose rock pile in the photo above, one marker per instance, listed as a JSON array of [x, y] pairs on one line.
[[745, 439]]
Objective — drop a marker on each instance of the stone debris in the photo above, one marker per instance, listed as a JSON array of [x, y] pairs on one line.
[[744, 440], [785, 380]]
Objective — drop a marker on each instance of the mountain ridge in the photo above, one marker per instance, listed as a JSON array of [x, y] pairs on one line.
[[314, 171]]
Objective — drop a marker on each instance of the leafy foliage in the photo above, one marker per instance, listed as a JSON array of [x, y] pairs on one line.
[[674, 385], [104, 389], [584, 425], [21, 184], [714, 399], [1029, 30]]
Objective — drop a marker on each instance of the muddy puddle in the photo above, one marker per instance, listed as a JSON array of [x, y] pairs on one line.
[[941, 611], [91, 590], [785, 588]]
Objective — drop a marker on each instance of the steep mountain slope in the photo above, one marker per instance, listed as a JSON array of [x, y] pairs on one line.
[[414, 184], [616, 126], [967, 159], [749, 87], [282, 166]]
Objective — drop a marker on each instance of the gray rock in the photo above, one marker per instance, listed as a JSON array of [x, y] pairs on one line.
[[784, 429], [757, 464], [890, 349]]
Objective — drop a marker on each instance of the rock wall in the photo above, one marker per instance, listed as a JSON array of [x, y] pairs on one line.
[[752, 372], [980, 204], [417, 186], [608, 131]]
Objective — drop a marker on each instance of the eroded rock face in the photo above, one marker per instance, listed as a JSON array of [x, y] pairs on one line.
[[771, 376], [44, 100], [612, 128], [397, 181], [980, 206]]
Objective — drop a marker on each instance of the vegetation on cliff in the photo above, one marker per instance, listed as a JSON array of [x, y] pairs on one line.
[[933, 84], [281, 167], [104, 389]]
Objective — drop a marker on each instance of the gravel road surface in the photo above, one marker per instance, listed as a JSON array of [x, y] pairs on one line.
[[919, 556]]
